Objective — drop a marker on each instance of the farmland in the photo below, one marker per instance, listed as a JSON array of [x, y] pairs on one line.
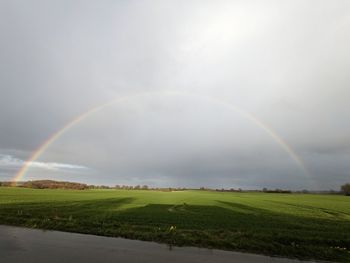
[[305, 226]]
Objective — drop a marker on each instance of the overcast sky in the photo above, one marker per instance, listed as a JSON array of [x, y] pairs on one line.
[[182, 66]]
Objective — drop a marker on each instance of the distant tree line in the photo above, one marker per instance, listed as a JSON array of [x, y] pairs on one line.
[[223, 189], [51, 184], [146, 187], [130, 187], [278, 191], [6, 184], [345, 189]]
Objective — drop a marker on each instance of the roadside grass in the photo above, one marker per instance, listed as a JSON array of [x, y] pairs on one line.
[[291, 225]]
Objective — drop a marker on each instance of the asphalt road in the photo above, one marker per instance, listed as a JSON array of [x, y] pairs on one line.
[[29, 245]]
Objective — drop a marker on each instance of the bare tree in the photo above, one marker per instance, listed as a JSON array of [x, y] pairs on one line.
[[345, 189]]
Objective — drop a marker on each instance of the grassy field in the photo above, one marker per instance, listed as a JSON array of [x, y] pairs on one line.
[[291, 225]]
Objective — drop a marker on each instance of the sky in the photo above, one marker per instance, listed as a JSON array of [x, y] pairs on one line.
[[242, 94]]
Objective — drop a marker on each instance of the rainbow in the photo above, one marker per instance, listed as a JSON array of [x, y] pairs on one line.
[[269, 131]]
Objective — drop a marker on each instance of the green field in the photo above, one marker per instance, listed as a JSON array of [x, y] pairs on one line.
[[292, 225]]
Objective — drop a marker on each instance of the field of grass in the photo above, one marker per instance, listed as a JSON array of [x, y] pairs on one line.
[[292, 225]]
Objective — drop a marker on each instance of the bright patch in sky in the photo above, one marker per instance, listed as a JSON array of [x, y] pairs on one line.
[[11, 162]]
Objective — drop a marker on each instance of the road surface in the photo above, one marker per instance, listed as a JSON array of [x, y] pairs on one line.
[[30, 245]]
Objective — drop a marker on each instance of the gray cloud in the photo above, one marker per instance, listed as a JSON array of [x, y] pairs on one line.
[[286, 63]]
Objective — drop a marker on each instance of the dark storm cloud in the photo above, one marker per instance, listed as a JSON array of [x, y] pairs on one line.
[[287, 63]]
